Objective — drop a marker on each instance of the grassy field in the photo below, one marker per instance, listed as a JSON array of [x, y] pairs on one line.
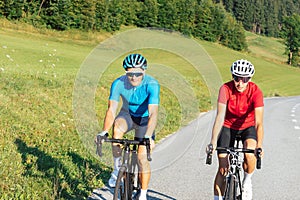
[[42, 155]]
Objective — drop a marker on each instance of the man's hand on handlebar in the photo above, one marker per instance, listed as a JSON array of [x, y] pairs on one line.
[[259, 152], [210, 149], [152, 142], [100, 137]]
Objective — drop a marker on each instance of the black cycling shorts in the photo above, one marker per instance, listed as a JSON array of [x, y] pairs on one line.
[[227, 136]]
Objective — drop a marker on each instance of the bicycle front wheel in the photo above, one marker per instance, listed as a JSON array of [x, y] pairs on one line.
[[122, 185], [230, 191]]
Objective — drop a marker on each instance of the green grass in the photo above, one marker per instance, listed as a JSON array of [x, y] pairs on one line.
[[42, 156], [271, 49]]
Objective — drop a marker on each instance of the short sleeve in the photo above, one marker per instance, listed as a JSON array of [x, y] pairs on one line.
[[258, 98], [154, 90], [114, 91], [223, 94]]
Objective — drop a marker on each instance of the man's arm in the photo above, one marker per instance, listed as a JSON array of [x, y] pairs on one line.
[[259, 113], [152, 121], [218, 124], [110, 115]]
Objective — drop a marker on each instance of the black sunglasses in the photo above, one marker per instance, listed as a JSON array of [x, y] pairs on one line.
[[238, 78], [136, 74]]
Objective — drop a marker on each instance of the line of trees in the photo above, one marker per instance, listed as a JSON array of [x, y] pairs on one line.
[[276, 18], [262, 16], [222, 21], [199, 18]]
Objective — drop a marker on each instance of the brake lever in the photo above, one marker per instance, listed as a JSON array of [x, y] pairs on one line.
[[209, 155], [100, 140], [258, 157], [147, 143]]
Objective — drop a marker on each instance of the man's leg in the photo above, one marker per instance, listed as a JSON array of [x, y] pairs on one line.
[[219, 184], [249, 167], [226, 139], [145, 171], [121, 126]]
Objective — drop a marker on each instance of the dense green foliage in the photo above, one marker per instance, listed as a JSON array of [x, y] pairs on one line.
[[291, 33], [262, 16], [202, 19]]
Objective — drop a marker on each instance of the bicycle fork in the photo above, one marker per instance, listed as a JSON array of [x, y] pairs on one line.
[[237, 183], [133, 169], [233, 178]]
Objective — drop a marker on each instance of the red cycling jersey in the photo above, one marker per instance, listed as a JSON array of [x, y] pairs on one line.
[[240, 105]]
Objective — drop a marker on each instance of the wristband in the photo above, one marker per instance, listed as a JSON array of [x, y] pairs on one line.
[[103, 133]]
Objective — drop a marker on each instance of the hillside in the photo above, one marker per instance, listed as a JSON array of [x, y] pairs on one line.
[[42, 154]]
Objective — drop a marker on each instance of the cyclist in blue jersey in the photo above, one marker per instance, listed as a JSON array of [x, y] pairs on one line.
[[140, 99]]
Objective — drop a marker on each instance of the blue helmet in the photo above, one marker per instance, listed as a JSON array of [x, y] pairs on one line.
[[135, 61]]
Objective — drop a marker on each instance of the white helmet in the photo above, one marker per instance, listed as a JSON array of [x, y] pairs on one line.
[[242, 68]]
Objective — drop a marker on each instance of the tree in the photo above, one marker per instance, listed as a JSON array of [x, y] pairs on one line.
[[186, 15], [129, 11], [239, 10], [271, 22], [167, 16], [203, 20], [147, 14], [291, 34], [233, 35], [11, 9], [108, 15]]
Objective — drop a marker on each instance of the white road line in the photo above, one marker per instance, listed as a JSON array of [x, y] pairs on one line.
[[297, 127], [294, 120]]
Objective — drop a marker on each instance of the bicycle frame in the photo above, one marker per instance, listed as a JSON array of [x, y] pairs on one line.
[[131, 165], [233, 188], [128, 180]]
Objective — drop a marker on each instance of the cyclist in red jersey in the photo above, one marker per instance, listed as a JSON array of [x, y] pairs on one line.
[[239, 111]]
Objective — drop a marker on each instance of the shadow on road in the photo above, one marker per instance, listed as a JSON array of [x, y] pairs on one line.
[[106, 193], [154, 195]]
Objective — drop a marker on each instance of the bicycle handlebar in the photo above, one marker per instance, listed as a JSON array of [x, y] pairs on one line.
[[125, 142], [257, 153], [232, 149]]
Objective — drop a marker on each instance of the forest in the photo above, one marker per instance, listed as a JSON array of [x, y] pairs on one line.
[[222, 21]]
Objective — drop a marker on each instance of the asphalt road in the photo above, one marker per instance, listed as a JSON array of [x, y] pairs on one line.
[[179, 170]]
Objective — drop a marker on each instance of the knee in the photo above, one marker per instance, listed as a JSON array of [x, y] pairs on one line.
[[249, 157], [223, 171], [223, 165], [117, 133]]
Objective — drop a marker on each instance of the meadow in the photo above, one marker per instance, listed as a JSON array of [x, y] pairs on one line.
[[42, 153]]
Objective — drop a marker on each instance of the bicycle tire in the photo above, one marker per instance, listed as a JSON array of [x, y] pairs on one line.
[[239, 186], [130, 184], [230, 191], [122, 185]]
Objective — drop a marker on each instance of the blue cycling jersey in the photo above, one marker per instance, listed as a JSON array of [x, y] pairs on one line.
[[136, 99]]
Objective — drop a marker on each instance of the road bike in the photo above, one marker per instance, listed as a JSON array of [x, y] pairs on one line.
[[233, 189], [128, 183]]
